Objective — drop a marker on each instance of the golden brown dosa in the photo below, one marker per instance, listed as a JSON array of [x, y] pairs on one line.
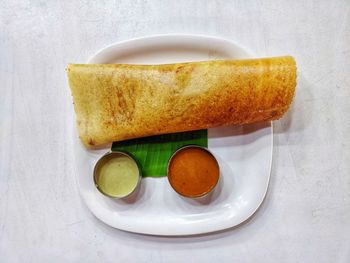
[[116, 102]]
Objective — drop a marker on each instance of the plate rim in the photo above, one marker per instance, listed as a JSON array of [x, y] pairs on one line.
[[168, 35], [112, 46]]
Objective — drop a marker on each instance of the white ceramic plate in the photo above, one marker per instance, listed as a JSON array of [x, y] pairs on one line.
[[244, 154]]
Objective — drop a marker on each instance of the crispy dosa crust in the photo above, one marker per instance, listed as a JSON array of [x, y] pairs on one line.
[[115, 102]]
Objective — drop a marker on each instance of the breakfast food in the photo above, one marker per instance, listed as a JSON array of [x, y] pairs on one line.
[[116, 175], [193, 171], [115, 102]]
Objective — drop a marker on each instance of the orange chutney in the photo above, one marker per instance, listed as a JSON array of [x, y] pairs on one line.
[[193, 171]]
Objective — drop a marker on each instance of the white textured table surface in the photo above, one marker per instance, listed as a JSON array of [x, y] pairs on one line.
[[306, 214]]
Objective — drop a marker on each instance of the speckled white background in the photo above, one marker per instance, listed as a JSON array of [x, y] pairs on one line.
[[306, 214]]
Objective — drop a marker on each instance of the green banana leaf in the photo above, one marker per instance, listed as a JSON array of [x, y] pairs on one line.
[[153, 153]]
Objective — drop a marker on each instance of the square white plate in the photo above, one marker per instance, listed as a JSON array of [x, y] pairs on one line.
[[244, 154]]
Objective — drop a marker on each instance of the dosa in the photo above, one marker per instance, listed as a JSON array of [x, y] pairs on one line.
[[115, 102]]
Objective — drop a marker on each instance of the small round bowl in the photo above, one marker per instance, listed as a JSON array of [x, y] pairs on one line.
[[202, 171], [105, 159]]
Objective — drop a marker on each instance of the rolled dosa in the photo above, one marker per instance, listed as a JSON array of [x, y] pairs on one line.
[[115, 102]]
